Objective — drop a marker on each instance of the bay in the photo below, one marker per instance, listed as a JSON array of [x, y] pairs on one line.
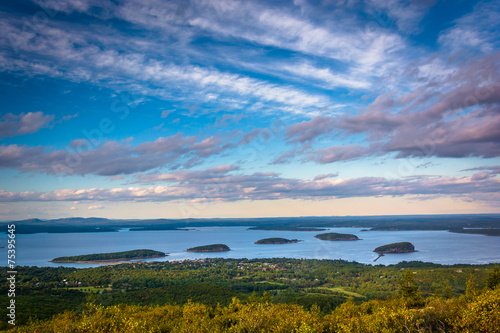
[[440, 247]]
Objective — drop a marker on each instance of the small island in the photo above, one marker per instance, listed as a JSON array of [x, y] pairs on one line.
[[100, 258], [333, 236], [402, 247], [285, 228], [210, 248], [276, 240]]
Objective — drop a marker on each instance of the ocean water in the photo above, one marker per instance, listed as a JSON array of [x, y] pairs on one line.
[[440, 247]]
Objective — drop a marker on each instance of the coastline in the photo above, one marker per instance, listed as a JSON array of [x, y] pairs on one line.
[[105, 262]]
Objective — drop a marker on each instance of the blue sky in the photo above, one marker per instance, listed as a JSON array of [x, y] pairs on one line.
[[221, 108]]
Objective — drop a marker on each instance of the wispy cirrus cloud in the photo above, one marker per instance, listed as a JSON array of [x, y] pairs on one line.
[[101, 54], [62, 50], [406, 15], [489, 170], [474, 32]]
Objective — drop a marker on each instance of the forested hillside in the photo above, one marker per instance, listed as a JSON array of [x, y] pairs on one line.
[[260, 295]]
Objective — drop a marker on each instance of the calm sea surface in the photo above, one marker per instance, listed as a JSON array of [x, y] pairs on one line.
[[433, 246]]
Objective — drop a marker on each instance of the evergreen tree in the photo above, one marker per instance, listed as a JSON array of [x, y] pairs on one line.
[[493, 279], [409, 290], [471, 290], [447, 291]]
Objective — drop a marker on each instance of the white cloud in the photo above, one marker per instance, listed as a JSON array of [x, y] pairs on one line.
[[73, 55], [331, 80], [282, 29], [407, 15], [476, 31]]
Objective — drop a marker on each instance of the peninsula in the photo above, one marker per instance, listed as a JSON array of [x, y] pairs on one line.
[[110, 257], [276, 240], [402, 247], [333, 236], [210, 248], [483, 231]]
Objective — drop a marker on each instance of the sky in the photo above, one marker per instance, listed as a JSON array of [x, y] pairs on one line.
[[228, 108]]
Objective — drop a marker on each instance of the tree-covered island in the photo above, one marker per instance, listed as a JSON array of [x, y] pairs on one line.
[[276, 240], [286, 228], [210, 248], [113, 256], [402, 247], [333, 236]]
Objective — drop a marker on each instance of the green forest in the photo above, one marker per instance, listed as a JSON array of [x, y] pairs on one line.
[[333, 236], [276, 240], [258, 295], [210, 248], [401, 247]]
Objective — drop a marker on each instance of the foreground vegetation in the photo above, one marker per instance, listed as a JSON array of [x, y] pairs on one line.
[[475, 313], [259, 295], [125, 255]]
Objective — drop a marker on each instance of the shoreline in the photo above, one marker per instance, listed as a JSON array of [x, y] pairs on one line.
[[105, 262]]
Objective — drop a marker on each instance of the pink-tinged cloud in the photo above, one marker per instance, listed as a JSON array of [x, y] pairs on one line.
[[325, 176], [24, 123], [223, 184], [260, 135], [113, 158], [492, 170], [309, 130], [342, 153], [480, 176], [461, 121]]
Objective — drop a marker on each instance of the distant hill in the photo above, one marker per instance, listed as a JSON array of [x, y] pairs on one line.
[[483, 231], [386, 223]]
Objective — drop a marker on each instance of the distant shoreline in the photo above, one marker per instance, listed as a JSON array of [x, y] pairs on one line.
[[103, 262], [100, 262], [107, 258], [463, 223]]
